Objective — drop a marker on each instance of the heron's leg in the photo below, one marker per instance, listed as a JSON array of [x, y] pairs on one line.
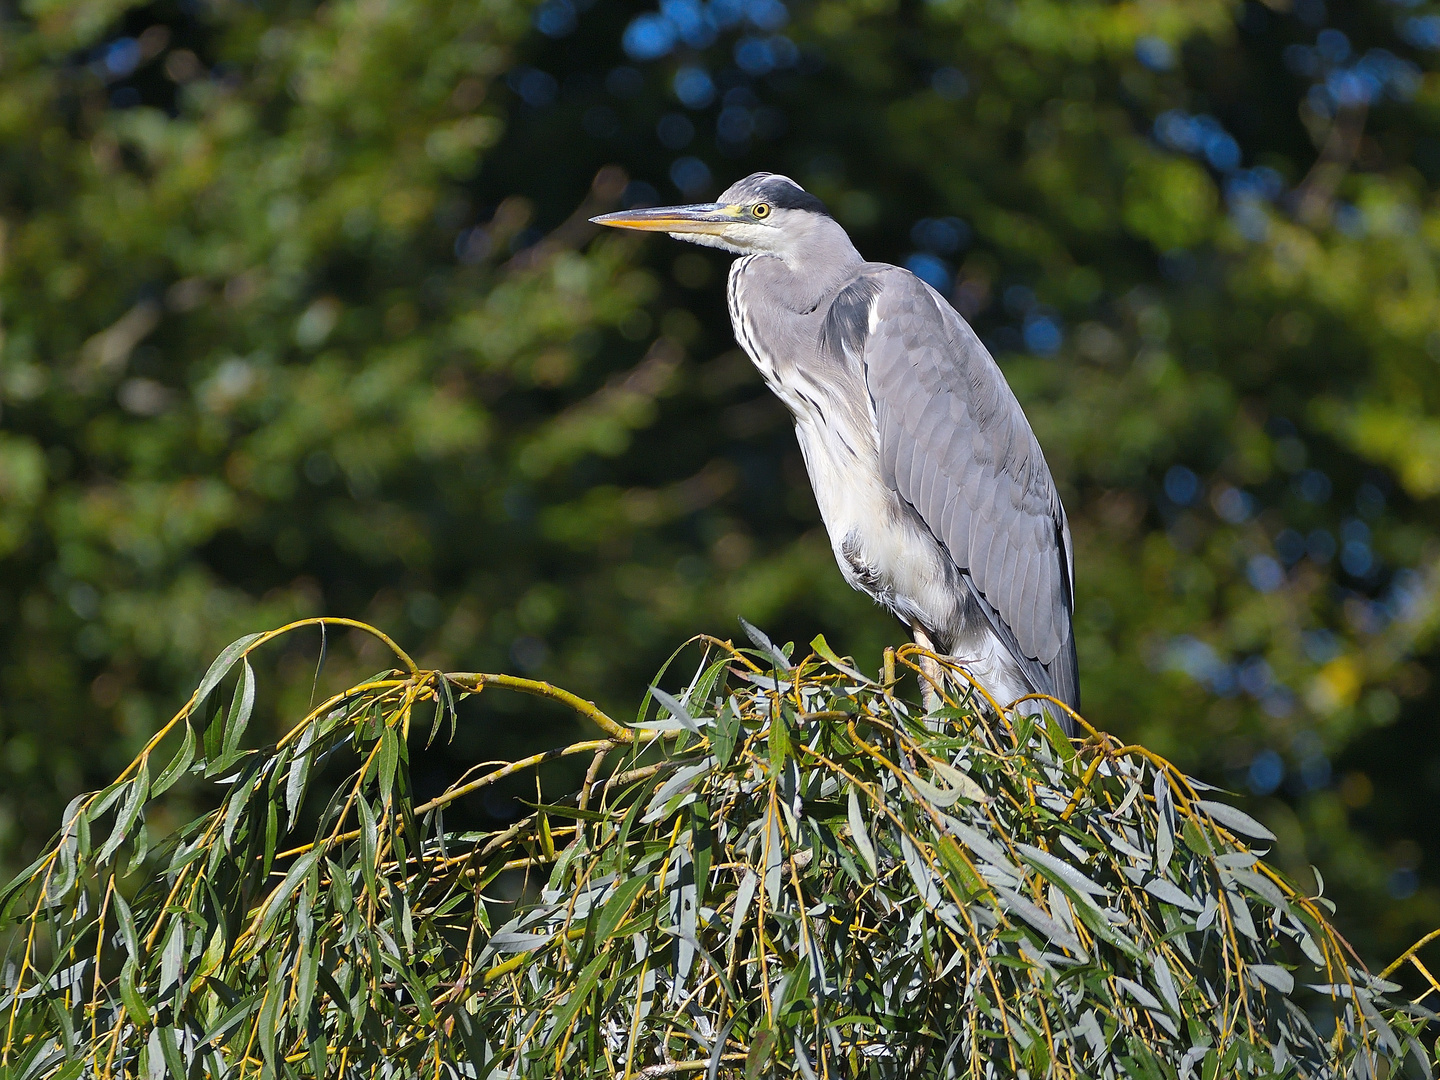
[[930, 669]]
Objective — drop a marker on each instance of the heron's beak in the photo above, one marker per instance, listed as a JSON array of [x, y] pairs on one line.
[[696, 218]]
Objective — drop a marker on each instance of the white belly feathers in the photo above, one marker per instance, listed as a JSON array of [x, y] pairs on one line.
[[884, 551], [880, 548]]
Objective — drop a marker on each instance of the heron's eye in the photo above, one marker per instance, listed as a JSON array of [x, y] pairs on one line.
[[760, 210]]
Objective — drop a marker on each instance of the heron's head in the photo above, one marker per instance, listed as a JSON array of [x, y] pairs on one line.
[[765, 213]]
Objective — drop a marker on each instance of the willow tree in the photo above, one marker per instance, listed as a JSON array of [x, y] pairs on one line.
[[789, 870]]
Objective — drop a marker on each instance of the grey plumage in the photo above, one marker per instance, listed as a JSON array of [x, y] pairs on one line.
[[976, 476], [931, 483]]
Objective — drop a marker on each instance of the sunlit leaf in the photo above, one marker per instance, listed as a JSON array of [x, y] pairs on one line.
[[222, 665], [1234, 818], [860, 835]]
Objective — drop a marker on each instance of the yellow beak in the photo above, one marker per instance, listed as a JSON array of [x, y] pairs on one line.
[[695, 218]]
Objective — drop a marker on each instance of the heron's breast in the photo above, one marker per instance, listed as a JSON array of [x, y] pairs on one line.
[[881, 547]]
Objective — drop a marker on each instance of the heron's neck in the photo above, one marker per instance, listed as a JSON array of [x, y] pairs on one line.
[[817, 264]]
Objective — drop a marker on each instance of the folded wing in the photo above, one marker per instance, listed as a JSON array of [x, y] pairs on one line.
[[955, 444]]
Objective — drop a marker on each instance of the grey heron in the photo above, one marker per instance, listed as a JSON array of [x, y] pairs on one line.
[[933, 489]]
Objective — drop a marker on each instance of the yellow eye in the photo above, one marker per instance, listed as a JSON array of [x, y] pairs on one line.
[[760, 210]]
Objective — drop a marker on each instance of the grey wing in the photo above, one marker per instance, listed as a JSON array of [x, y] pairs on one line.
[[955, 444]]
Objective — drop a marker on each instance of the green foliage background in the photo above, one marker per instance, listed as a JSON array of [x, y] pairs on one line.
[[301, 315]]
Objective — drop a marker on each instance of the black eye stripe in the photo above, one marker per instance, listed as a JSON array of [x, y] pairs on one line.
[[782, 195], [775, 191]]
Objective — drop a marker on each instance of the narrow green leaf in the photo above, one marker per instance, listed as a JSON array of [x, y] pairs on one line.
[[389, 761], [1165, 980], [680, 782], [515, 941], [773, 854], [822, 648], [299, 774], [861, 836], [242, 704], [712, 1069], [725, 733], [272, 837], [340, 885], [685, 899], [236, 1014], [236, 804], [1262, 886], [1164, 837], [318, 1057], [744, 896], [678, 711], [704, 685], [763, 642], [326, 981], [152, 1058], [779, 742], [212, 739], [555, 810], [291, 882], [1059, 870], [178, 764], [369, 844], [919, 872], [1235, 819], [1053, 929], [802, 1060], [172, 955], [1273, 976], [66, 870], [1139, 993], [125, 819], [762, 1045], [126, 922], [936, 796], [1024, 727], [169, 1048], [130, 996], [15, 888], [1064, 748], [306, 975], [1195, 839], [214, 952], [1170, 894], [961, 781], [222, 665], [703, 846], [1309, 948], [579, 995], [1241, 913], [268, 1021], [1099, 925], [950, 855], [616, 907]]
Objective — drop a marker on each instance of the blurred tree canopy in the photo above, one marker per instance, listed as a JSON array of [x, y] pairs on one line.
[[301, 314]]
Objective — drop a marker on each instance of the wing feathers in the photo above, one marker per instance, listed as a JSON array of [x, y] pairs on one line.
[[956, 445]]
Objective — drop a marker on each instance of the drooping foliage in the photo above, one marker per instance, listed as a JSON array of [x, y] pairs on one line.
[[789, 871]]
